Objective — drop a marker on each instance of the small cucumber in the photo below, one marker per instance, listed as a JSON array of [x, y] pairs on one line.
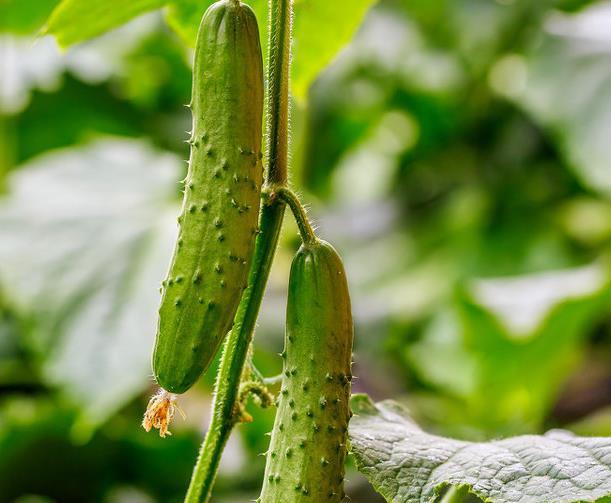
[[218, 222], [305, 461]]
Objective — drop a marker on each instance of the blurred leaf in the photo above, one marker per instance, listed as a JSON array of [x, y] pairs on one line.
[[80, 112], [565, 84], [74, 21], [527, 335], [587, 220], [596, 424], [406, 464], [85, 236], [36, 454], [321, 29], [440, 359], [184, 17], [509, 344], [157, 78], [39, 64], [523, 304], [390, 70], [15, 370], [19, 16], [40, 457], [147, 106], [573, 5]]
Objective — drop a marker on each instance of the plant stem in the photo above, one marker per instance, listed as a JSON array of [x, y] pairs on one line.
[[305, 228], [455, 494], [280, 27], [235, 349]]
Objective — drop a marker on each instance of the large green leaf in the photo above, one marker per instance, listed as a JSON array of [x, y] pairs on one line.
[[321, 29], [85, 236], [407, 465], [74, 21]]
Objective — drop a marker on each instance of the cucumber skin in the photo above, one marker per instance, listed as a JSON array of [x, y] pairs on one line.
[[305, 461], [218, 222]]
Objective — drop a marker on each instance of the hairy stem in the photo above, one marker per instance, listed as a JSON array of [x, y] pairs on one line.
[[280, 27], [305, 228], [235, 350]]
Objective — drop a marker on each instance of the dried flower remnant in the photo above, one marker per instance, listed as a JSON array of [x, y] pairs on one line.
[[160, 412]]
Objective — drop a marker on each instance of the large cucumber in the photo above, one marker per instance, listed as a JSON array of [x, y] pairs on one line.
[[305, 461], [218, 222]]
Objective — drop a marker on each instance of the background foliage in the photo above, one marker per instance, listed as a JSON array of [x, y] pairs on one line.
[[456, 153]]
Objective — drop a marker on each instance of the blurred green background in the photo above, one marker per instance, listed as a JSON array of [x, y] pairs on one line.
[[457, 154]]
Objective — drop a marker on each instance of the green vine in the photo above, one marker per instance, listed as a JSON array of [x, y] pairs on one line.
[[306, 231]]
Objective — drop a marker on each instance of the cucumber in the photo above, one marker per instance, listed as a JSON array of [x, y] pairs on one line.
[[218, 222], [305, 461]]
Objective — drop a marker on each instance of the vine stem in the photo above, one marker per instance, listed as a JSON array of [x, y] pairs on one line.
[[236, 347], [305, 228]]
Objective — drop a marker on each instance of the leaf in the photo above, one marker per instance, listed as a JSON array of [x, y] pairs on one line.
[[74, 21], [524, 303], [184, 17], [574, 55], [17, 16], [321, 29], [527, 334], [38, 453], [407, 465], [391, 82], [85, 237], [504, 348]]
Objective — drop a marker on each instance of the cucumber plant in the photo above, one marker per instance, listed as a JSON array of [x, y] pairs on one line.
[[201, 295], [211, 270]]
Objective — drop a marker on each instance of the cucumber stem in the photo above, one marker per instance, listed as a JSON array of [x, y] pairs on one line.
[[278, 74], [235, 349], [308, 236]]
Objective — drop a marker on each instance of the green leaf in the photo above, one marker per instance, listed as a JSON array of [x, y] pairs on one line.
[[74, 21], [407, 465], [85, 237], [40, 457], [184, 17], [508, 345], [573, 55], [321, 29], [17, 16]]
